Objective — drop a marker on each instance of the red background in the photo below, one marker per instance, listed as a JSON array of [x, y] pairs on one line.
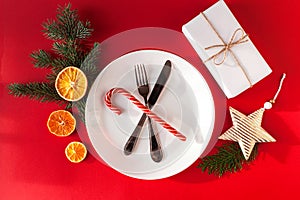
[[32, 161]]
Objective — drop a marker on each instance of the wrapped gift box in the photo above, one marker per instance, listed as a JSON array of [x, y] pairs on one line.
[[226, 50]]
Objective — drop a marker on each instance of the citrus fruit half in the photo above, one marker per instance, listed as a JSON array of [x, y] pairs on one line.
[[75, 152], [71, 83], [61, 123]]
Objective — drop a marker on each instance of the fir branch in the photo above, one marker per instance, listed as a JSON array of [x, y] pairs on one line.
[[68, 27], [89, 64], [70, 48], [82, 30], [44, 92], [68, 106], [52, 77], [59, 63], [41, 59], [53, 30], [229, 158], [80, 105], [70, 51], [66, 50]]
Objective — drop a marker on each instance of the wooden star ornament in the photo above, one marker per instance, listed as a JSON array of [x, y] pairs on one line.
[[247, 130]]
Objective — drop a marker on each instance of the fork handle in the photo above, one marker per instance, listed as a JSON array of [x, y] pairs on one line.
[[131, 142], [155, 147]]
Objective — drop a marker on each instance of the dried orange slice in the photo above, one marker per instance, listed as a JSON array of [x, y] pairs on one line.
[[75, 152], [71, 83], [61, 123]]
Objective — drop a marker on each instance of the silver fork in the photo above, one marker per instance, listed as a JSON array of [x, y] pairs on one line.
[[143, 89]]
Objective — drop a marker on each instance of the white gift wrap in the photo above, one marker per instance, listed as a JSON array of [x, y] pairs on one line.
[[229, 75]]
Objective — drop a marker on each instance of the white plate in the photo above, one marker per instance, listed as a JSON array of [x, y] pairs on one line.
[[186, 103]]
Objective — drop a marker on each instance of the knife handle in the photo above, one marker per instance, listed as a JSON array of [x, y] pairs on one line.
[[131, 142], [155, 147]]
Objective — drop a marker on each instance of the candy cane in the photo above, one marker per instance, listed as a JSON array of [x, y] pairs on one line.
[[141, 106]]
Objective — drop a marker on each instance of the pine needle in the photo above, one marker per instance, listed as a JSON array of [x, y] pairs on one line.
[[41, 59], [229, 158], [90, 63], [68, 26], [43, 92], [80, 105]]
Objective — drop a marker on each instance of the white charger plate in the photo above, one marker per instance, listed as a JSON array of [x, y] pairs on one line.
[[186, 103]]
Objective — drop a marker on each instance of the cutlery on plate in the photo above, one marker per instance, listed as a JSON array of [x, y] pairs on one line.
[[158, 87], [143, 89]]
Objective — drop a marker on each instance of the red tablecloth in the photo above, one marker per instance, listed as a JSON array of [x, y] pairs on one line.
[[32, 161]]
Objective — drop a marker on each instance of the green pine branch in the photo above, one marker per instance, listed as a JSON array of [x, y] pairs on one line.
[[80, 105], [71, 52], [41, 59], [90, 68], [67, 26], [51, 77], [70, 34], [43, 92], [59, 63], [70, 48], [89, 64], [229, 158]]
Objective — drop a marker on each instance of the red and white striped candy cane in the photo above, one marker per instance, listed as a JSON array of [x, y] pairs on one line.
[[141, 106]]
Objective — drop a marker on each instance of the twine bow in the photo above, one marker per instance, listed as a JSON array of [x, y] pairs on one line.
[[226, 47]]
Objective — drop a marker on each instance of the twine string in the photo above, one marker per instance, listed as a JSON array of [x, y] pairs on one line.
[[279, 88], [226, 48]]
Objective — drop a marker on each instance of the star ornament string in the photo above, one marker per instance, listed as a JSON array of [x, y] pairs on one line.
[[247, 130]]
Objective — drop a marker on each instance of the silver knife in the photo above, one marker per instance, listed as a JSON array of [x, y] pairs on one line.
[[158, 87]]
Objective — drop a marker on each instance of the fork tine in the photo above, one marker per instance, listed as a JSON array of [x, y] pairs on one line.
[[136, 75], [145, 74], [142, 75]]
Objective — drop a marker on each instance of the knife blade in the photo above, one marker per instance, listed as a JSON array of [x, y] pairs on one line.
[[160, 83], [158, 87]]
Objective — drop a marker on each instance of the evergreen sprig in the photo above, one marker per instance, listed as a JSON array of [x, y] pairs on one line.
[[41, 59], [70, 48], [44, 92], [90, 63], [67, 26], [80, 105], [229, 158]]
